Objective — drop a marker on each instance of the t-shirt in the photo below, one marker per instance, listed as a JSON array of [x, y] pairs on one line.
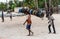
[[50, 19]]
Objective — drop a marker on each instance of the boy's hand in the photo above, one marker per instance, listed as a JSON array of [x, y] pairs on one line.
[[23, 23], [48, 22]]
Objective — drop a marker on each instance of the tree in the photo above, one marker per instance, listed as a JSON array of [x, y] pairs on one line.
[[12, 5], [29, 3], [18, 3], [41, 3], [2, 6]]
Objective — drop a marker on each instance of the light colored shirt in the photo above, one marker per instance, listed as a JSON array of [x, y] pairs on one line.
[[50, 19]]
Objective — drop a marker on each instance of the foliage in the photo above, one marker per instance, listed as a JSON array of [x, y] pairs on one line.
[[29, 3], [12, 5], [18, 3], [41, 3], [2, 6]]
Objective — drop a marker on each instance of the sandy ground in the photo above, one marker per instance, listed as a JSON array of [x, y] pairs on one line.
[[16, 30]]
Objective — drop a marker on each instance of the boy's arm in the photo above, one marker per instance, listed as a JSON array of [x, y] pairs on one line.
[[49, 21], [24, 22]]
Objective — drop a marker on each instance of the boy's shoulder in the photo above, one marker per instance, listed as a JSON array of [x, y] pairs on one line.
[[52, 17]]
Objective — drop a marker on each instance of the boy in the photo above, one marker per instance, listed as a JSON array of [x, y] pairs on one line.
[[51, 23], [29, 22], [11, 16], [2, 16]]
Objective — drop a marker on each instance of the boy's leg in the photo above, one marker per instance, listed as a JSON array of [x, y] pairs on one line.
[[53, 27], [31, 32], [49, 28], [28, 28], [11, 17]]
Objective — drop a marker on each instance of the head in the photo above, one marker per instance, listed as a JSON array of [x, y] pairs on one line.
[[29, 14]]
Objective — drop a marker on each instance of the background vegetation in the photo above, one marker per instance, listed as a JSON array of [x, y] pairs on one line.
[[29, 3]]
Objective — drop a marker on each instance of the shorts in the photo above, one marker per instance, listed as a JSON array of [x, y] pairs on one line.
[[28, 26]]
